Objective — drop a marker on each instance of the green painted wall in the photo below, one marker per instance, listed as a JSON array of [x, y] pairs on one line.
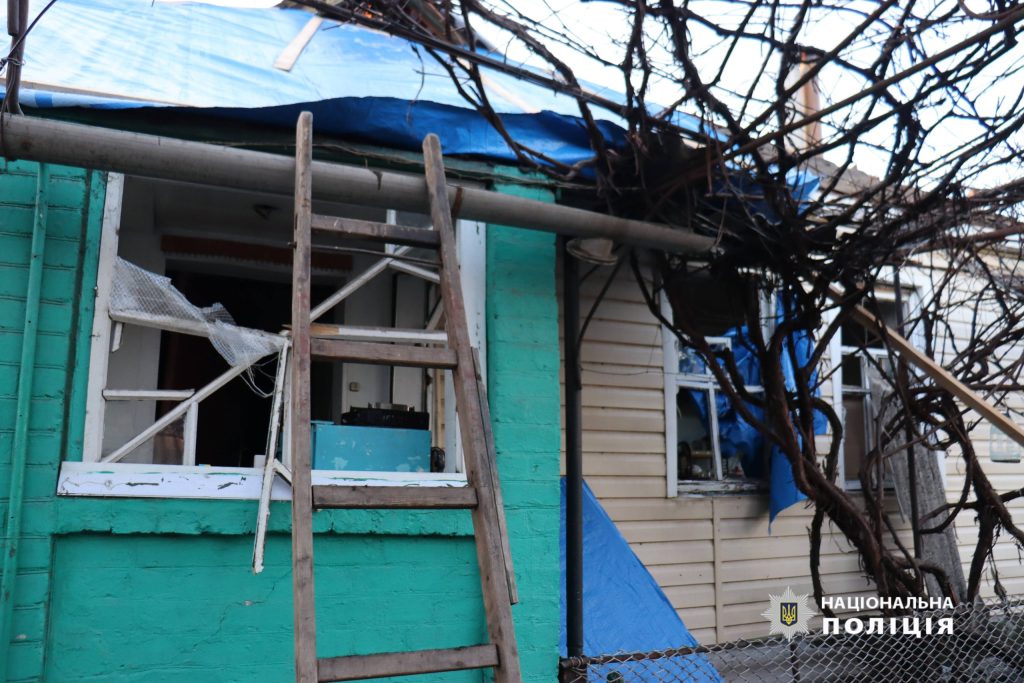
[[75, 202], [144, 590], [523, 390]]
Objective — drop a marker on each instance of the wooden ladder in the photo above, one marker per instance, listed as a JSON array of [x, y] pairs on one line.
[[481, 495]]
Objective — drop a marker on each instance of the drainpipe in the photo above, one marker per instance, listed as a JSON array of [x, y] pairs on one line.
[[19, 449], [17, 24], [573, 455]]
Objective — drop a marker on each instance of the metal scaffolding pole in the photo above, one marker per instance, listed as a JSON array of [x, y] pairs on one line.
[[152, 156]]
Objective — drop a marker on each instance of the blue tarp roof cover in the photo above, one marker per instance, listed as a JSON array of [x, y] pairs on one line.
[[118, 54], [624, 609], [360, 84]]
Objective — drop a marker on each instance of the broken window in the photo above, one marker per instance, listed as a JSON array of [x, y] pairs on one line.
[[197, 388], [863, 358], [711, 443]]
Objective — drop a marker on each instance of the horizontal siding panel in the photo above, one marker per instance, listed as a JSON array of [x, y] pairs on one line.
[[618, 442], [683, 574], [666, 530], [618, 311], [595, 379], [704, 636], [645, 334], [782, 568], [752, 590], [689, 597], [782, 547], [757, 527], [627, 487], [674, 552], [661, 509], [626, 397], [623, 420], [620, 354], [624, 289], [699, 617], [624, 464]]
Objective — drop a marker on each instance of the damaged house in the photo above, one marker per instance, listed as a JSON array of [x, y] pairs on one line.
[[148, 311]]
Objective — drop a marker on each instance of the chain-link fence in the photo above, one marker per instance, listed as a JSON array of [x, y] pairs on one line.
[[986, 644]]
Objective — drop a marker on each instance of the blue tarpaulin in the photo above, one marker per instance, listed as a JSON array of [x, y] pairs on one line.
[[359, 83], [624, 609], [739, 440]]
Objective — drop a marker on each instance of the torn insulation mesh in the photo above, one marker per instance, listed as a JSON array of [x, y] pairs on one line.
[[139, 296]]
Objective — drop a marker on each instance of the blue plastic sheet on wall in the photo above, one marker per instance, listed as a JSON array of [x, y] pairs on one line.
[[740, 441], [624, 609]]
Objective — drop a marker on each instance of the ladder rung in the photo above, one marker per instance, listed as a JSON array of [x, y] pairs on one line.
[[394, 497], [381, 334], [359, 667], [374, 353], [377, 232]]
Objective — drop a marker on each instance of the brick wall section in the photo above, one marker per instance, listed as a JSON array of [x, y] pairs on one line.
[[523, 366], [74, 200]]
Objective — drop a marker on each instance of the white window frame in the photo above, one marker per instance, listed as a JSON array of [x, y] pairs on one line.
[[676, 380], [911, 299], [93, 478]]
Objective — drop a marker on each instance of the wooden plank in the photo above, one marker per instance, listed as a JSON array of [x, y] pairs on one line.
[[373, 353], [380, 334], [491, 461], [376, 232], [303, 594], [937, 373], [394, 497], [486, 526], [286, 60], [361, 667], [148, 394]]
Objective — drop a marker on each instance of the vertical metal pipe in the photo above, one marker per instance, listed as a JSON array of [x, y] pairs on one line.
[[19, 448], [573, 455], [903, 377], [17, 24]]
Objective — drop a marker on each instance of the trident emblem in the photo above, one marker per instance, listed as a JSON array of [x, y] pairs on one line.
[[788, 613]]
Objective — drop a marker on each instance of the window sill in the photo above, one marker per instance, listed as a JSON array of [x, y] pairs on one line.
[[726, 486], [127, 480]]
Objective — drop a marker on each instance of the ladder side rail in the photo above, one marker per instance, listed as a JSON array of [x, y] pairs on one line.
[[303, 601], [491, 463], [494, 585]]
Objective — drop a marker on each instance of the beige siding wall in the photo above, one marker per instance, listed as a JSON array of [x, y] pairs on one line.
[[712, 555], [1003, 476]]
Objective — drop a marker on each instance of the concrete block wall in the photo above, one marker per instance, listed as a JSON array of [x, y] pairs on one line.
[[523, 363]]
